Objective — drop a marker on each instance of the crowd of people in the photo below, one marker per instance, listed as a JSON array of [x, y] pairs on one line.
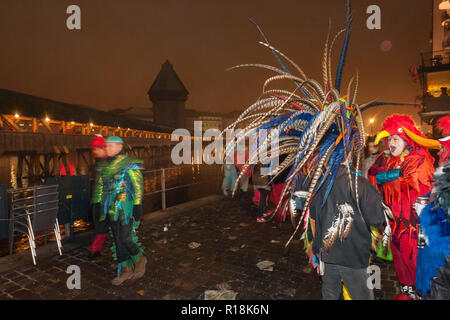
[[401, 212], [397, 180]]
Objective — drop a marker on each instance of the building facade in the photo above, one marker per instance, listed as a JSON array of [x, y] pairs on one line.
[[435, 68]]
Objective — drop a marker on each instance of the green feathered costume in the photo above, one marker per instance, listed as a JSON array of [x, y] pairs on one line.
[[120, 187]]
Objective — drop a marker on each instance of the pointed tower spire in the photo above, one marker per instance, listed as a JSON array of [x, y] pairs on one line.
[[168, 96]]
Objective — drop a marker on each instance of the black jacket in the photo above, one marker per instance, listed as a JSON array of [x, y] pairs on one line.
[[353, 252]]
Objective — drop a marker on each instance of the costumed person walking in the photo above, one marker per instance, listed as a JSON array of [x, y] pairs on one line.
[[433, 257], [230, 176], [100, 227], [403, 173], [372, 152], [121, 183], [261, 182], [345, 258]]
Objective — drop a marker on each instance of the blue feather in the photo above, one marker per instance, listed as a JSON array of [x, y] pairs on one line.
[[326, 175], [344, 114], [276, 56], [344, 48], [350, 132], [432, 256], [377, 104], [292, 133], [333, 128], [328, 142], [276, 121], [299, 158], [308, 126], [336, 165], [330, 165]]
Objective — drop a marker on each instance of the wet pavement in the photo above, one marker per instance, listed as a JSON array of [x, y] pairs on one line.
[[231, 244]]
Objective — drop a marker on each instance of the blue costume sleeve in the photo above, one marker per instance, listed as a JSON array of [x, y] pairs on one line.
[[387, 176]]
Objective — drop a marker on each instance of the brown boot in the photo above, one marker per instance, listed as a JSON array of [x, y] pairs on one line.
[[139, 268], [125, 274]]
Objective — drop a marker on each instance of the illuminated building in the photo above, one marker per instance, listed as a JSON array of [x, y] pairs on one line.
[[435, 68]]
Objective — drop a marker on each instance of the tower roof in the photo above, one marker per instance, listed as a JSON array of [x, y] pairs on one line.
[[167, 85]]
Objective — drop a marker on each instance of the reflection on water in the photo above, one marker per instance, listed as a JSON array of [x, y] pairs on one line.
[[195, 180], [14, 175]]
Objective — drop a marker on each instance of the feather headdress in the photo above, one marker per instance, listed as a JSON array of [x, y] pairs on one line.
[[315, 127]]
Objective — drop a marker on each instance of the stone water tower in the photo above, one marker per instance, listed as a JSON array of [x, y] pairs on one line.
[[168, 95]]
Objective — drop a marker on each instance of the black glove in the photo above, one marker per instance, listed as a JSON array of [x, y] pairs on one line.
[[96, 211], [137, 212]]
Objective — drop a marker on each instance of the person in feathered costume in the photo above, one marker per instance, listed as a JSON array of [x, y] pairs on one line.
[[403, 173], [314, 130], [432, 280], [121, 187]]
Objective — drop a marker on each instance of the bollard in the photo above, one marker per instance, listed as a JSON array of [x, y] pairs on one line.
[[68, 230], [163, 189]]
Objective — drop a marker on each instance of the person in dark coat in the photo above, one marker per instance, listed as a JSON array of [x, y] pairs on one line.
[[345, 259]]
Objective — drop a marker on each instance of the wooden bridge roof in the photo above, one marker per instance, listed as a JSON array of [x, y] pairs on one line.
[[12, 102], [13, 142]]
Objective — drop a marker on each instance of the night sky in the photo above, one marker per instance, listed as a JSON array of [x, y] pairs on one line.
[[112, 61]]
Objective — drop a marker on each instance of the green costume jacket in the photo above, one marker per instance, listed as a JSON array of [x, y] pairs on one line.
[[97, 192], [120, 186]]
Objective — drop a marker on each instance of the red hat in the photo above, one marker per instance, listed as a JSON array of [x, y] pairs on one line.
[[98, 142], [396, 125], [443, 124], [405, 127]]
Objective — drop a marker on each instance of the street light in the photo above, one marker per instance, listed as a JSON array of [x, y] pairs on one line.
[[371, 121], [16, 115], [444, 5]]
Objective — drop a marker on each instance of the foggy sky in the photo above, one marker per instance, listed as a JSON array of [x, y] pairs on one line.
[[112, 61]]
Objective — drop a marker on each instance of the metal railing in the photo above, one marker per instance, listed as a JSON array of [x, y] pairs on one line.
[[435, 58], [164, 188], [34, 210], [213, 175]]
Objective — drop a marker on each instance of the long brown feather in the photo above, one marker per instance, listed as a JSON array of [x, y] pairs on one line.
[[284, 56], [330, 237], [325, 60]]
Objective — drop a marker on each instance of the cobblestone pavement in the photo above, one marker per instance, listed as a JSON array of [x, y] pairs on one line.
[[231, 244]]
